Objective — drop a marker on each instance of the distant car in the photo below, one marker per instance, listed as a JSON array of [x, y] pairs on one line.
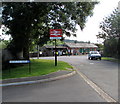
[[94, 55]]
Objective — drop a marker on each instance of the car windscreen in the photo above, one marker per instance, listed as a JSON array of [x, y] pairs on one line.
[[95, 52]]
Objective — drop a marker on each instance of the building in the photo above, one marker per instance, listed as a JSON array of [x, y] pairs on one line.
[[80, 48], [69, 48], [49, 50]]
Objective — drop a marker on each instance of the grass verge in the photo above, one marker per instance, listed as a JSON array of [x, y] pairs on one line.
[[38, 67], [110, 59]]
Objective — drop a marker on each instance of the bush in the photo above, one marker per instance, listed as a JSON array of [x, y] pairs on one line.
[[110, 48]]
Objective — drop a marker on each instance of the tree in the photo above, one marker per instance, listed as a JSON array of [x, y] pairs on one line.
[[110, 34], [100, 47], [20, 18], [110, 26], [110, 47], [31, 21]]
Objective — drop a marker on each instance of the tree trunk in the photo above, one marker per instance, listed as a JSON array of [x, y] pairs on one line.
[[20, 55], [26, 49], [38, 52], [26, 53]]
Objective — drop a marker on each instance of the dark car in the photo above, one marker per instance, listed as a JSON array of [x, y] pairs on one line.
[[94, 55]]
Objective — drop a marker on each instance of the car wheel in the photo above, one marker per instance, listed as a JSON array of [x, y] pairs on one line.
[[100, 58]]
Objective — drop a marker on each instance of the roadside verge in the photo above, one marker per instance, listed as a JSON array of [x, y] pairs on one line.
[[39, 79]]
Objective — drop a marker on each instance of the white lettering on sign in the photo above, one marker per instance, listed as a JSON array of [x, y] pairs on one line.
[[19, 61], [55, 37], [54, 32]]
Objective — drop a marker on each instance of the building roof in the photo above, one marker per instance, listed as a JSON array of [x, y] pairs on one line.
[[74, 45], [81, 45], [50, 46]]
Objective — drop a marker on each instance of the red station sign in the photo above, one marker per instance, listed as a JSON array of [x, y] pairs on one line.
[[55, 33]]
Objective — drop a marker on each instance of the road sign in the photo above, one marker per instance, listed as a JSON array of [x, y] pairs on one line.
[[55, 33], [19, 61]]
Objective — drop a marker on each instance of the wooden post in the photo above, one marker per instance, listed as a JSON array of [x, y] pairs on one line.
[[29, 67]]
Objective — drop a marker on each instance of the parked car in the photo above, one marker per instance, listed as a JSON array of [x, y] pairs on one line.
[[94, 55]]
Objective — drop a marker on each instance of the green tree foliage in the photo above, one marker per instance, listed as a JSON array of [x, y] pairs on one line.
[[51, 42], [100, 46], [4, 44], [20, 18], [110, 26], [30, 21], [110, 47], [111, 34]]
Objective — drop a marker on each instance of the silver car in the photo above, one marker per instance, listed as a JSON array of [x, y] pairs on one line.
[[94, 55]]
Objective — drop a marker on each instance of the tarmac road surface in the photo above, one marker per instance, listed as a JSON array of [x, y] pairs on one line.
[[103, 73]]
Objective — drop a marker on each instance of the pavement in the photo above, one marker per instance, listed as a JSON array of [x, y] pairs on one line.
[[38, 79]]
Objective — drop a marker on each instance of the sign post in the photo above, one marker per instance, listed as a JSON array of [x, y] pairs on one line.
[[20, 62], [55, 54], [55, 34]]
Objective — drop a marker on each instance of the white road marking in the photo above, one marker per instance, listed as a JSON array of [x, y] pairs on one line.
[[91, 63]]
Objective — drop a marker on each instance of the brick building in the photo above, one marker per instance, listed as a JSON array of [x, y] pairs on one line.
[[72, 48], [80, 48]]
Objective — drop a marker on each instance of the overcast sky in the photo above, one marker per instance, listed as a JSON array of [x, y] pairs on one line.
[[101, 10]]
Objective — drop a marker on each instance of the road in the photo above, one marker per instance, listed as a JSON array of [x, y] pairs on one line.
[[103, 73], [72, 89]]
